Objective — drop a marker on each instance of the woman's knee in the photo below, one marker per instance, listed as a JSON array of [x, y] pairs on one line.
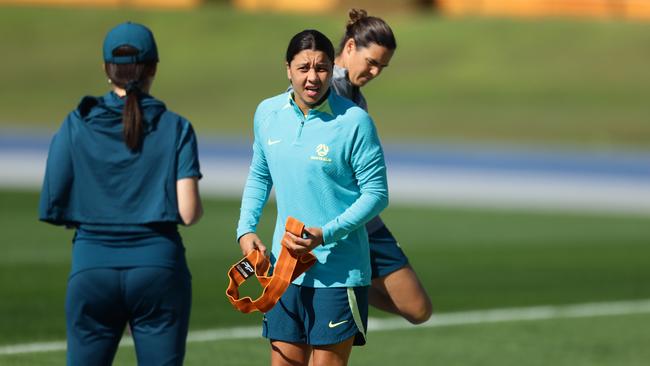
[[421, 312]]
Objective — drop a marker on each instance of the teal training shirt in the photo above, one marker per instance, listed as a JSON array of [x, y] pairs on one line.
[[92, 177], [328, 171], [122, 202]]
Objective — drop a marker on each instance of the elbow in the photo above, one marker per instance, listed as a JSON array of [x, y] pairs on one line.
[[377, 200], [382, 202], [190, 208], [191, 216]]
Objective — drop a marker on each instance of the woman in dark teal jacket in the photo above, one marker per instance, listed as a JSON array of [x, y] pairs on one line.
[[123, 171]]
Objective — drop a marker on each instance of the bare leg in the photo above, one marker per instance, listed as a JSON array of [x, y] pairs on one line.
[[401, 293], [289, 354], [333, 354]]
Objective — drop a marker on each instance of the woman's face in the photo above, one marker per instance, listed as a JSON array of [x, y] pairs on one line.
[[365, 63], [309, 72]]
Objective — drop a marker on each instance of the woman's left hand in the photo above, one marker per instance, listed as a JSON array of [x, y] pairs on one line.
[[298, 245]]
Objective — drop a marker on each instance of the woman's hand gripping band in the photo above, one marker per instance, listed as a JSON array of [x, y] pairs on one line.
[[249, 242], [288, 266], [311, 238]]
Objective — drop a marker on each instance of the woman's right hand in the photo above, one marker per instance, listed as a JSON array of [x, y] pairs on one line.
[[249, 242]]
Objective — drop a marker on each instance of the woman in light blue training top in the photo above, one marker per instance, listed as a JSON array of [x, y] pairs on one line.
[[365, 50], [123, 171], [321, 153]]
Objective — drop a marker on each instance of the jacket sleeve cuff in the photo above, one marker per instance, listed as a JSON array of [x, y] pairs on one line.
[[328, 234], [243, 231]]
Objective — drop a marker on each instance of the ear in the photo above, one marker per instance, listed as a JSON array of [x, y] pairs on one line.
[[154, 69], [350, 45], [288, 71]]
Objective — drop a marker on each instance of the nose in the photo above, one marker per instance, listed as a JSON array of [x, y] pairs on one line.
[[311, 75], [375, 71]]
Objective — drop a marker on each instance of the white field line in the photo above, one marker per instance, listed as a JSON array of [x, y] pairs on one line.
[[385, 324]]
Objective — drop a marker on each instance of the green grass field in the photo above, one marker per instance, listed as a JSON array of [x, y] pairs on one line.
[[468, 260], [606, 341], [544, 82]]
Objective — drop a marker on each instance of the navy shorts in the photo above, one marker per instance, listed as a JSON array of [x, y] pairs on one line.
[[386, 256], [318, 316], [154, 301]]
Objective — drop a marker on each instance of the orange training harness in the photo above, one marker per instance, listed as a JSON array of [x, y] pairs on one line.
[[287, 268]]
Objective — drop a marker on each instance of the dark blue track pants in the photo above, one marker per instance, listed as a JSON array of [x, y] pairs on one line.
[[154, 301]]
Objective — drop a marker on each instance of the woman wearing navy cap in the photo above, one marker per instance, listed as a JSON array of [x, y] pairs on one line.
[[123, 171]]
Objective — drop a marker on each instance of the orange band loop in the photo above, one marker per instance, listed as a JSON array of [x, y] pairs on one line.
[[287, 268]]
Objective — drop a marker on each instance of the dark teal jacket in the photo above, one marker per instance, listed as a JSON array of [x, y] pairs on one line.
[[92, 177]]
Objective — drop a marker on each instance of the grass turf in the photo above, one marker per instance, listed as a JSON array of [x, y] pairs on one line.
[[543, 81], [467, 259], [598, 341]]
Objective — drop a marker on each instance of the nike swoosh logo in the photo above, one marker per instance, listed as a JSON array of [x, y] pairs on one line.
[[333, 325], [272, 142]]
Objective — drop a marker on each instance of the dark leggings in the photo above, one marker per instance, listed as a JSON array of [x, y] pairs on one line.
[[154, 301]]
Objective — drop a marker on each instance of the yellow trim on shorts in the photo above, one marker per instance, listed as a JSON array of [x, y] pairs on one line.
[[354, 308]]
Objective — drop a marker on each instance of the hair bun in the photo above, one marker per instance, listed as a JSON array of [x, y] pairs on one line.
[[356, 15]]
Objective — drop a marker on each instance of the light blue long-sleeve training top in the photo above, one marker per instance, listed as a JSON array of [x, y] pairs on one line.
[[342, 86], [328, 171]]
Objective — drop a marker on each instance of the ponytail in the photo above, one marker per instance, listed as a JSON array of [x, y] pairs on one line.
[[130, 77], [132, 116]]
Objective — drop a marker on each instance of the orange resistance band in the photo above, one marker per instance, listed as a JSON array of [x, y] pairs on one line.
[[287, 268]]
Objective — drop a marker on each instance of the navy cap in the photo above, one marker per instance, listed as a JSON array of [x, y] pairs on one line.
[[134, 35]]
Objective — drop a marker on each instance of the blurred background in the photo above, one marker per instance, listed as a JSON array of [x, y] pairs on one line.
[[516, 135]]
